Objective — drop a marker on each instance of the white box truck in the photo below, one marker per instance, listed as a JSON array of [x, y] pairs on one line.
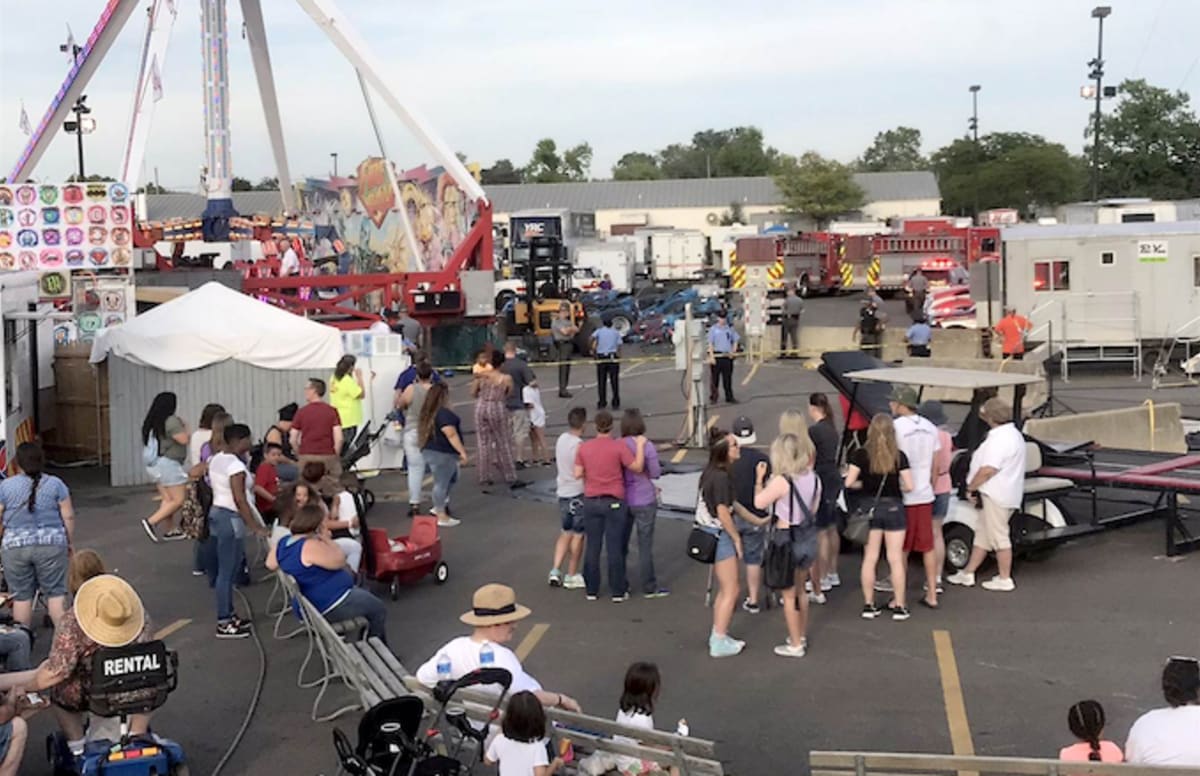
[[614, 259], [678, 254]]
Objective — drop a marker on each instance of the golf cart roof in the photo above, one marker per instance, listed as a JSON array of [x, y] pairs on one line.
[[939, 377]]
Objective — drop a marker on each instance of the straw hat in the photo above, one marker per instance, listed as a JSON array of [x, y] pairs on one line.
[[494, 605], [109, 611]]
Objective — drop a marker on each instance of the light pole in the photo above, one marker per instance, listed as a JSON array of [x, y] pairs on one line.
[[973, 125], [334, 155], [1099, 13], [80, 127]]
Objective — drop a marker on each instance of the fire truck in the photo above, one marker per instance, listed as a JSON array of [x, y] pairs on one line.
[[894, 257]]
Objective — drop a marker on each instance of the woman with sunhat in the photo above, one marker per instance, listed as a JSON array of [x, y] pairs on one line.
[[493, 617], [107, 612]]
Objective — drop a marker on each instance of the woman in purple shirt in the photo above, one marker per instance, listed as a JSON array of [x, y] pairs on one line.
[[642, 497]]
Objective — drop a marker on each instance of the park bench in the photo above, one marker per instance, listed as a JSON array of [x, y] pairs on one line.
[[895, 764]]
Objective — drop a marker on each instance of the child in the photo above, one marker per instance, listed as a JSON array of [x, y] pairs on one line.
[[636, 709], [521, 748], [1086, 720], [266, 481], [537, 423]]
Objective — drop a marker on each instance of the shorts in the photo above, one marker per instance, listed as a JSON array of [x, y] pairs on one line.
[[570, 511], [167, 472], [941, 505], [37, 567], [519, 422], [725, 548], [804, 546], [992, 532], [754, 545], [889, 515], [918, 535], [6, 731]]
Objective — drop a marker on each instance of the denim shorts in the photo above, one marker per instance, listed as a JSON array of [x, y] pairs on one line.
[[725, 547], [570, 512], [804, 545], [37, 567], [167, 472], [5, 738], [754, 545], [941, 505]]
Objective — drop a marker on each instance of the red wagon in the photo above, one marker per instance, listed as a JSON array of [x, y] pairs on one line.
[[402, 560]]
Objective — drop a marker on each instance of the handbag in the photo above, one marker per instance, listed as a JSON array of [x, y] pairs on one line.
[[779, 560], [858, 525], [701, 544]]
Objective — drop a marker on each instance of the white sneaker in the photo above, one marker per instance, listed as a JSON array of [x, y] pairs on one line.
[[826, 585], [808, 586], [817, 598], [573, 582], [883, 586], [1000, 585], [448, 522], [961, 578], [833, 579], [787, 650]]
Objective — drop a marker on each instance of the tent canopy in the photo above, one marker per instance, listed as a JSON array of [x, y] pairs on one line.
[[214, 323]]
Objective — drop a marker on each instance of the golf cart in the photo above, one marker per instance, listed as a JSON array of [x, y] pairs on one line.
[[1042, 523]]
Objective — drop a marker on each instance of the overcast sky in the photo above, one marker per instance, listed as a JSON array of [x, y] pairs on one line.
[[624, 75]]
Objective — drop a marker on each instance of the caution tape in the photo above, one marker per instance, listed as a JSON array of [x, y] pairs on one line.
[[633, 361]]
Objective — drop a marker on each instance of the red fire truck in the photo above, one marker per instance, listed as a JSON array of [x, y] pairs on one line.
[[894, 257]]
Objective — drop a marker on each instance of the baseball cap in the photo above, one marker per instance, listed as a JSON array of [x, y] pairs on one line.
[[904, 394], [743, 431]]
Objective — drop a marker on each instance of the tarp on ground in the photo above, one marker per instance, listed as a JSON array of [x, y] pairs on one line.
[[213, 324]]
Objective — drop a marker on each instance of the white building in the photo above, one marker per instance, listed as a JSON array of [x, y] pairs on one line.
[[1128, 210]]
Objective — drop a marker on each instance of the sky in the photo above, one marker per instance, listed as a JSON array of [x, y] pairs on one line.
[[624, 75]]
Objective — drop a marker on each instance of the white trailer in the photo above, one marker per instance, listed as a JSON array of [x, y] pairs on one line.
[[27, 336], [678, 254], [723, 240], [614, 259], [1101, 290]]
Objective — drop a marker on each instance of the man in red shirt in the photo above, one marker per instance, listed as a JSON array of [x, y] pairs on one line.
[[266, 481], [1013, 329], [316, 433], [601, 462]]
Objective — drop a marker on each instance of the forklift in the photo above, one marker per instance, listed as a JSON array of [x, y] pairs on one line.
[[547, 276]]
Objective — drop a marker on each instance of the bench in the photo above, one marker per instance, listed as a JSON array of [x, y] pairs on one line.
[[895, 764], [589, 734]]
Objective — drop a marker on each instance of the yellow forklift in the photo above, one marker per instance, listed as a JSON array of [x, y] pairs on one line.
[[547, 276]]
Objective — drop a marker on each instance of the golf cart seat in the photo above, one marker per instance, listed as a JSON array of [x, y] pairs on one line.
[[1041, 487]]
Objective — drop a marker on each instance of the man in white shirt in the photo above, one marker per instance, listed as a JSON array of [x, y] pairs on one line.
[[289, 262], [493, 616], [1170, 736], [918, 439], [569, 490], [997, 474]]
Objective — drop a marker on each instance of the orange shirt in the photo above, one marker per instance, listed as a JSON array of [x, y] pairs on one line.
[[1011, 329]]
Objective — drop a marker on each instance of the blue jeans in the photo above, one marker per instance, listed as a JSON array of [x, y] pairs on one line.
[[227, 533], [444, 467], [14, 650], [605, 520], [643, 519], [360, 603], [416, 459]]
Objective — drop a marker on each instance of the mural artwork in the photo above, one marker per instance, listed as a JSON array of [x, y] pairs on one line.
[[362, 211]]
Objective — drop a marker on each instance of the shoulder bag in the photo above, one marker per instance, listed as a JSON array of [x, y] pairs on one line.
[[701, 544], [779, 563], [858, 526]]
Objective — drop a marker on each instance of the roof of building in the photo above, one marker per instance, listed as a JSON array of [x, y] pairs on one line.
[[587, 196], [1075, 231], [691, 192]]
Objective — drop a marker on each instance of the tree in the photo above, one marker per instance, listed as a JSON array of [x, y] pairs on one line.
[[896, 149], [548, 166], [267, 184], [636, 166], [501, 172], [725, 153], [818, 187], [91, 178], [152, 188], [242, 184], [734, 215], [1149, 145], [1006, 170]]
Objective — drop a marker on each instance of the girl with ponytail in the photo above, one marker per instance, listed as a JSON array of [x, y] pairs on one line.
[[1086, 721]]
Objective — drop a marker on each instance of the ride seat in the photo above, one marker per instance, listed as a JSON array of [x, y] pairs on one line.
[[1041, 486]]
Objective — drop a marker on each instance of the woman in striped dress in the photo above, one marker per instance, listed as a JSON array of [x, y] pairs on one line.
[[492, 427]]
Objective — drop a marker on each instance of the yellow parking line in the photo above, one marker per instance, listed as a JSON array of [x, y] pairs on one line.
[[169, 629], [529, 642], [712, 420], [680, 454], [750, 375], [952, 697]]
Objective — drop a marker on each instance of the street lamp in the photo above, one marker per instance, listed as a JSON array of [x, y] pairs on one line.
[[1099, 13], [79, 127], [973, 124], [334, 155]]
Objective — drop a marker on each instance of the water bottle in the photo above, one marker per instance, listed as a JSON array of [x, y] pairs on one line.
[[682, 728], [487, 657], [443, 667]]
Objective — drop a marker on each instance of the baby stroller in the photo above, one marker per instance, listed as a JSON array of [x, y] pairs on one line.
[[360, 445], [389, 743], [133, 679], [404, 559]]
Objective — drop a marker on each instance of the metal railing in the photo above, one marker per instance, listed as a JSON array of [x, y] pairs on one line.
[[865, 763]]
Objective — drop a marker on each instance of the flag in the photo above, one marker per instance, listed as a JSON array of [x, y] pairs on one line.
[[70, 45], [155, 79], [24, 123]]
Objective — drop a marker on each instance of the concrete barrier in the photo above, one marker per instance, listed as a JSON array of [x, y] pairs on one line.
[[1151, 427]]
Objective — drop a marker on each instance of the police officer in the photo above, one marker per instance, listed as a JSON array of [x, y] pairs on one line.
[[563, 330], [789, 325], [606, 347], [869, 331], [919, 336], [722, 347]]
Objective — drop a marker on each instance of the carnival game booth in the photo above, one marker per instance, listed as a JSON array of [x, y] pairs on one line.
[[209, 345]]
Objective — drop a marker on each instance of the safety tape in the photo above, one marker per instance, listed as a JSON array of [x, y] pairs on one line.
[[630, 361]]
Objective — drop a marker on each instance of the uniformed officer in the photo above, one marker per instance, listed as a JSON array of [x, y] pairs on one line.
[[563, 329], [789, 325], [918, 337], [606, 347], [722, 347]]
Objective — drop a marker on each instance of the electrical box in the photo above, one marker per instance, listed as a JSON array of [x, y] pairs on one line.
[[479, 291]]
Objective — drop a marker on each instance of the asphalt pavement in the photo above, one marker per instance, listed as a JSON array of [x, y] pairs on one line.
[[1095, 619]]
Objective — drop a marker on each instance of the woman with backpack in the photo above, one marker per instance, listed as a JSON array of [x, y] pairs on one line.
[[794, 495], [164, 449]]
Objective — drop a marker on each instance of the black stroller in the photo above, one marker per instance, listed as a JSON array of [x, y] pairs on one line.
[[389, 739]]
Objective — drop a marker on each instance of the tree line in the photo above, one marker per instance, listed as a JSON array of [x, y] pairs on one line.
[[1150, 147]]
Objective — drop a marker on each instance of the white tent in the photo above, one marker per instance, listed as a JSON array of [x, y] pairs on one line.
[[213, 324]]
